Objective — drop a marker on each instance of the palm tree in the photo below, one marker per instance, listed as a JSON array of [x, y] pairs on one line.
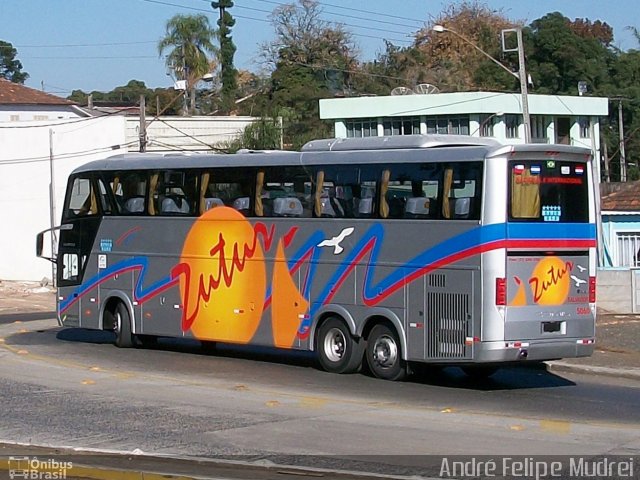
[[635, 31], [192, 53]]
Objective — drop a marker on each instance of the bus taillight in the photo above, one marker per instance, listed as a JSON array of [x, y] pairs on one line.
[[592, 289], [501, 291]]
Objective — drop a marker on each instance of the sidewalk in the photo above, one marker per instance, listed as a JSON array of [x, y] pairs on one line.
[[617, 350]]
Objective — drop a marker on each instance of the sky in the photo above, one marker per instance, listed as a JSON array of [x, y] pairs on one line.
[[98, 45]]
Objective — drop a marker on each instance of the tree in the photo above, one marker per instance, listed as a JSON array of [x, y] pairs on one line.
[[563, 53], [265, 134], [453, 63], [311, 59], [162, 100], [395, 67], [227, 50], [191, 56], [598, 30], [10, 67], [636, 32]]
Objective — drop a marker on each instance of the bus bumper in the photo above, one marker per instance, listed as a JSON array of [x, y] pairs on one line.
[[534, 350]]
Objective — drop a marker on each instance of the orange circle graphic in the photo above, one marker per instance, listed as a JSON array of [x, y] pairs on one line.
[[550, 281], [227, 280]]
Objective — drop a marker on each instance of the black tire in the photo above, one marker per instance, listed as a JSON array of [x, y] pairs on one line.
[[479, 372], [384, 355], [337, 350], [122, 326]]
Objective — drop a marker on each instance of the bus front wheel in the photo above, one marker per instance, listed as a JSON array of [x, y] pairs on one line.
[[122, 326], [383, 354], [338, 351]]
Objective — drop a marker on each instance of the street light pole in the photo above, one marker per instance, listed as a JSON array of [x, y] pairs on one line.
[[524, 80], [521, 75]]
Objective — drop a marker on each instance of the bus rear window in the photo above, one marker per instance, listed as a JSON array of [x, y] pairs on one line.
[[548, 191]]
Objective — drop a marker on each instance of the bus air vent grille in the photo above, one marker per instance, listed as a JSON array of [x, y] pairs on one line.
[[448, 325], [437, 280]]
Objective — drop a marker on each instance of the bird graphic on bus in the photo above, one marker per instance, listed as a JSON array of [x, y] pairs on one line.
[[578, 281], [335, 241]]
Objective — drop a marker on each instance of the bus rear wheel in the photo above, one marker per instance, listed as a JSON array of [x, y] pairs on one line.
[[338, 351], [384, 356], [122, 326]]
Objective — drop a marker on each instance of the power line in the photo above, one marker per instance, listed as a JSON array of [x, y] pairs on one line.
[[329, 13], [63, 156], [92, 57], [370, 12], [338, 14], [78, 45], [160, 2]]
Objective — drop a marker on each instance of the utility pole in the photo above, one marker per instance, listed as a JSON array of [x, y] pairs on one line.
[[52, 208], [185, 105], [523, 77], [605, 150], [623, 160], [143, 125], [524, 80]]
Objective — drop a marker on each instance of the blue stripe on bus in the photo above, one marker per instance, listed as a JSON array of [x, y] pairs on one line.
[[140, 293]]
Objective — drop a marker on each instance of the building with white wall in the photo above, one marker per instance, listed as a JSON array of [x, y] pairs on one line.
[[571, 120], [171, 133], [44, 137], [33, 156]]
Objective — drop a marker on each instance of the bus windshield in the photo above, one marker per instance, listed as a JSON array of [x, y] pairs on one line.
[[548, 191]]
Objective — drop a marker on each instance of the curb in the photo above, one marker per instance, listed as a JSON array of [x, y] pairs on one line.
[[78, 463], [632, 373]]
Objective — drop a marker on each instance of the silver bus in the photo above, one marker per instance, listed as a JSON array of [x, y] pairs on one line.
[[381, 252]]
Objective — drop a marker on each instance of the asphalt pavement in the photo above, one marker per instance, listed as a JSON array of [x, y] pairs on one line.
[[617, 351]]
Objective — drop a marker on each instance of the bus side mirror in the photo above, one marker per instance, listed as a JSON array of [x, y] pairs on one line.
[[40, 241]]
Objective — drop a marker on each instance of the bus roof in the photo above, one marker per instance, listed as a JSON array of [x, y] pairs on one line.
[[397, 141], [415, 148], [543, 150]]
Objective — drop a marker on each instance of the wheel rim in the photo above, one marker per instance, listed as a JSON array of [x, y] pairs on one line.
[[385, 351], [117, 327], [334, 345]]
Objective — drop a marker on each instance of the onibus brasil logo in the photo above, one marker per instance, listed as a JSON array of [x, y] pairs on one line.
[[38, 469]]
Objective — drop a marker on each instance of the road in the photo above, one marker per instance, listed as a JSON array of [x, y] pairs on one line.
[[73, 388]]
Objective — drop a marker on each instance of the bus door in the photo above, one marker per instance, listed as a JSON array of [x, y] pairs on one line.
[[549, 286], [81, 219]]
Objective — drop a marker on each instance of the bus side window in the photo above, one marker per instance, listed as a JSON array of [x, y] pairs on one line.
[[104, 199], [129, 191], [171, 193], [284, 192], [82, 199], [410, 190], [462, 191], [325, 198], [224, 188], [364, 194]]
